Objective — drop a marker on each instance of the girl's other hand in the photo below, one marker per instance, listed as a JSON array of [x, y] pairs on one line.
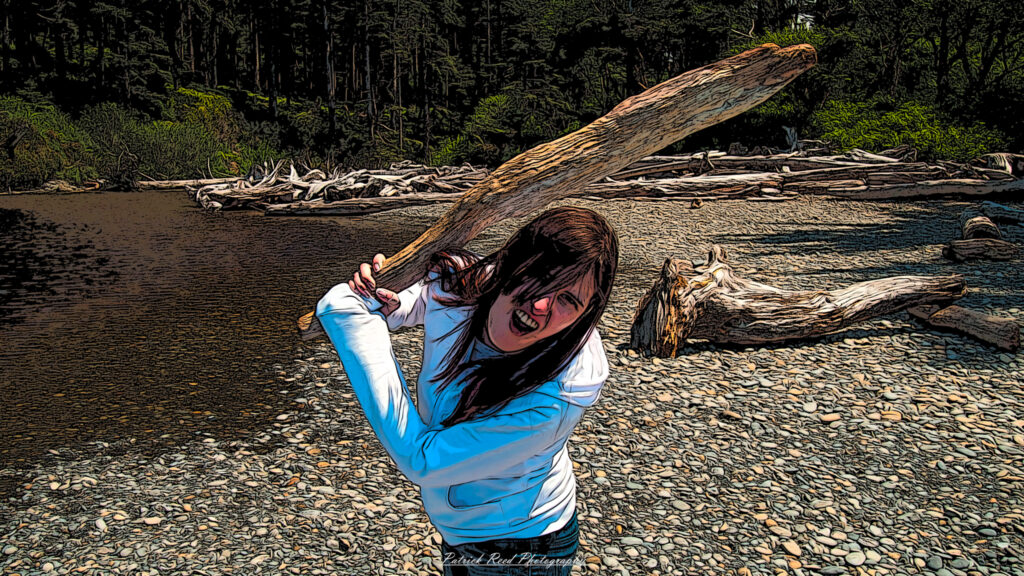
[[363, 283]]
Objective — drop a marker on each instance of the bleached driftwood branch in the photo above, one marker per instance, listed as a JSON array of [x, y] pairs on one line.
[[712, 302]]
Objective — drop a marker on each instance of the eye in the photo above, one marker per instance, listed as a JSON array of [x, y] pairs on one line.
[[571, 300]]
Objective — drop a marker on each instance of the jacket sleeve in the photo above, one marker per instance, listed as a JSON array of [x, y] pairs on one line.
[[412, 307], [435, 456]]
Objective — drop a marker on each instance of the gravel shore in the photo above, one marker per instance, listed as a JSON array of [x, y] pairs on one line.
[[886, 449]]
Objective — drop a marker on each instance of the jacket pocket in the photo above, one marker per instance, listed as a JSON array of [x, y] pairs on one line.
[[484, 492]]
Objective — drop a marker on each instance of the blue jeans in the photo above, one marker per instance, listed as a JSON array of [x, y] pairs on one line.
[[547, 555]]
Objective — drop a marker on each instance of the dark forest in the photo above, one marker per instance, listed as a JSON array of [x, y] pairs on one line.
[[184, 88]]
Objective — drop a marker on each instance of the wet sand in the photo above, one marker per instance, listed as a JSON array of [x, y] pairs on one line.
[[138, 316]]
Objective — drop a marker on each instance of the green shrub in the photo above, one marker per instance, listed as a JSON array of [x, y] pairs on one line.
[[875, 127], [492, 115], [451, 151], [164, 149], [202, 136], [177, 150], [503, 125], [240, 158], [211, 111], [49, 145], [33, 161]]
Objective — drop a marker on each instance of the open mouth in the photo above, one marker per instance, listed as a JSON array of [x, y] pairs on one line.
[[522, 323]]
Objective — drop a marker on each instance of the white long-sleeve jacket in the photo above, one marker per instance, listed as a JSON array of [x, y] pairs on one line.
[[507, 475]]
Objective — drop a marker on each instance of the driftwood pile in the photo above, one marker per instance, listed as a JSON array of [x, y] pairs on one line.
[[270, 189], [980, 237], [696, 177], [712, 302]]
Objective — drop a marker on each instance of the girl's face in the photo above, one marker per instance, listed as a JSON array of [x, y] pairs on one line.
[[513, 325]]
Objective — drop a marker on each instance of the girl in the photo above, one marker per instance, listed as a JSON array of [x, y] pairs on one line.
[[511, 358]]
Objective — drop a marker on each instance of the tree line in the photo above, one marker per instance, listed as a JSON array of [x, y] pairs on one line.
[[453, 80]]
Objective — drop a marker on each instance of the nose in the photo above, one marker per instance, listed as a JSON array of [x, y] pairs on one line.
[[542, 304]]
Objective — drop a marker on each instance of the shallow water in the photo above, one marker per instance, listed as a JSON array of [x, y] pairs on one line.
[[136, 316]]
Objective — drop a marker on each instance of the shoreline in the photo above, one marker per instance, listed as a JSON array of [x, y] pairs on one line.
[[718, 459]]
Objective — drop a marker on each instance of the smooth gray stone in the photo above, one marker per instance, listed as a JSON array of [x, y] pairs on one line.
[[855, 558]]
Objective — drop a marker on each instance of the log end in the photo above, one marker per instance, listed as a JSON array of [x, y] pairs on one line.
[[309, 327], [656, 330], [980, 249], [1003, 333], [802, 52]]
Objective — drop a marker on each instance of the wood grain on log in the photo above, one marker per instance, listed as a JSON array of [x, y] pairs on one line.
[[980, 249], [904, 177], [859, 171], [961, 186], [355, 206], [775, 162], [718, 305], [974, 224], [1003, 333], [637, 127], [175, 184], [660, 308], [683, 186], [990, 174], [1012, 164], [858, 155], [822, 187]]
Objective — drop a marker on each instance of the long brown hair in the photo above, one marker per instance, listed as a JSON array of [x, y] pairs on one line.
[[550, 253]]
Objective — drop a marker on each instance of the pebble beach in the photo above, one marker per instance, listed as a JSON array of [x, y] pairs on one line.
[[888, 448]]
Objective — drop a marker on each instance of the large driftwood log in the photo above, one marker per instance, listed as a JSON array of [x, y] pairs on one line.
[[964, 186], [823, 186], [677, 186], [1003, 333], [711, 302], [176, 184], [858, 155], [704, 161], [904, 177], [857, 171], [1012, 164], [980, 249], [707, 187], [980, 239], [637, 127], [697, 175], [989, 174], [356, 206], [974, 224]]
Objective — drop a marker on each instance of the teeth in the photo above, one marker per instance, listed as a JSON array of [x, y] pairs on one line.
[[525, 319]]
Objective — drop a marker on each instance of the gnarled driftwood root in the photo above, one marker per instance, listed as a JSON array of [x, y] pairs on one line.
[[711, 302]]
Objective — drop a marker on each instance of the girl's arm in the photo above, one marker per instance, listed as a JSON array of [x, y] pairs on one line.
[[427, 456], [412, 305]]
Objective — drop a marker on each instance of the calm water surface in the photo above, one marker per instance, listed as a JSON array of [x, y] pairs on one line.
[[138, 316]]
